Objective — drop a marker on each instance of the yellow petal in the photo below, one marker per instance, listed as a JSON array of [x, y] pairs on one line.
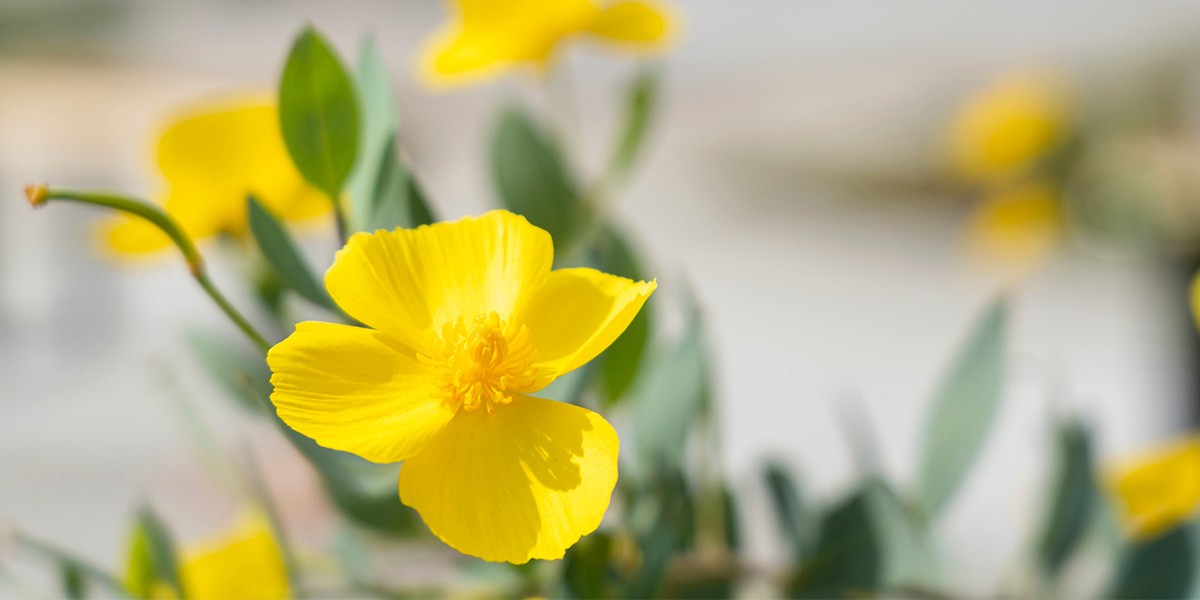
[[1009, 124], [1160, 489], [355, 390], [1016, 228], [133, 235], [524, 483], [244, 563], [213, 157], [486, 35], [130, 235], [409, 282], [452, 58], [578, 312], [638, 23]]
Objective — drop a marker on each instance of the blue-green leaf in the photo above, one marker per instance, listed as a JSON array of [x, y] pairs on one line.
[[673, 395], [797, 521], [152, 557], [621, 362], [397, 200], [848, 561], [640, 103], [1071, 499], [963, 409], [381, 124], [279, 250], [531, 177], [318, 114], [1163, 567], [69, 565]]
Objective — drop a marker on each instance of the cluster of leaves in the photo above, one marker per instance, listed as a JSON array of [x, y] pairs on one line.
[[676, 530]]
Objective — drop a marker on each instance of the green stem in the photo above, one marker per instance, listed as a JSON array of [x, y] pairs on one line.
[[40, 194]]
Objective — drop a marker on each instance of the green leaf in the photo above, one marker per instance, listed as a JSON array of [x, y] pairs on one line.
[[279, 250], [641, 99], [733, 528], [152, 557], [1163, 567], [381, 124], [909, 558], [663, 515], [1071, 499], [66, 563], [74, 583], [796, 520], [586, 572], [318, 114], [242, 374], [363, 491], [620, 363], [672, 396], [963, 409], [849, 557], [532, 179], [397, 200]]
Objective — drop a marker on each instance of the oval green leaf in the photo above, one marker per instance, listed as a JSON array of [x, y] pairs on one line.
[[318, 114], [963, 409], [281, 252]]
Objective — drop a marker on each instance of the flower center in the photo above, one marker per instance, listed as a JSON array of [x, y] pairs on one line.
[[482, 362]]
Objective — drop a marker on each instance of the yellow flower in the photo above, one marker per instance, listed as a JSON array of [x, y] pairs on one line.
[[1016, 227], [1160, 489], [490, 35], [211, 158], [1005, 127], [244, 562], [467, 320]]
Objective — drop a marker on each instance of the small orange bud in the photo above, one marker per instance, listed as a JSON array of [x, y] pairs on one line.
[[37, 194]]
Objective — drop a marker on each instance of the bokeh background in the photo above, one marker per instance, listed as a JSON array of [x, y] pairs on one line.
[[823, 295]]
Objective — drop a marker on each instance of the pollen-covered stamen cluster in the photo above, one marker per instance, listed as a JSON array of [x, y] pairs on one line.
[[482, 362]]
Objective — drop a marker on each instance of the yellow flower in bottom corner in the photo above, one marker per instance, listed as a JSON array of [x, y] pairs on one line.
[[1160, 489], [243, 563], [211, 158], [490, 35], [467, 320]]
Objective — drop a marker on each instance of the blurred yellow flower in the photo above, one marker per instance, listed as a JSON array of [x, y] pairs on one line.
[[1016, 226], [1005, 127], [1160, 489], [211, 158], [467, 319], [243, 563], [487, 36]]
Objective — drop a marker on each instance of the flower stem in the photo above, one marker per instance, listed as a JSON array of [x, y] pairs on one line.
[[40, 194]]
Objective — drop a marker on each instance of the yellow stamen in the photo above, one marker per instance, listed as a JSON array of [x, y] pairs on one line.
[[483, 362]]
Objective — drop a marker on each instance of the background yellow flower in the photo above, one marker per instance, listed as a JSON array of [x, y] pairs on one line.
[[1016, 226], [1160, 489], [211, 158], [468, 319], [244, 562], [487, 36], [1006, 126]]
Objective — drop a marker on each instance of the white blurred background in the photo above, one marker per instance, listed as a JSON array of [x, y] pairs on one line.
[[813, 298]]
